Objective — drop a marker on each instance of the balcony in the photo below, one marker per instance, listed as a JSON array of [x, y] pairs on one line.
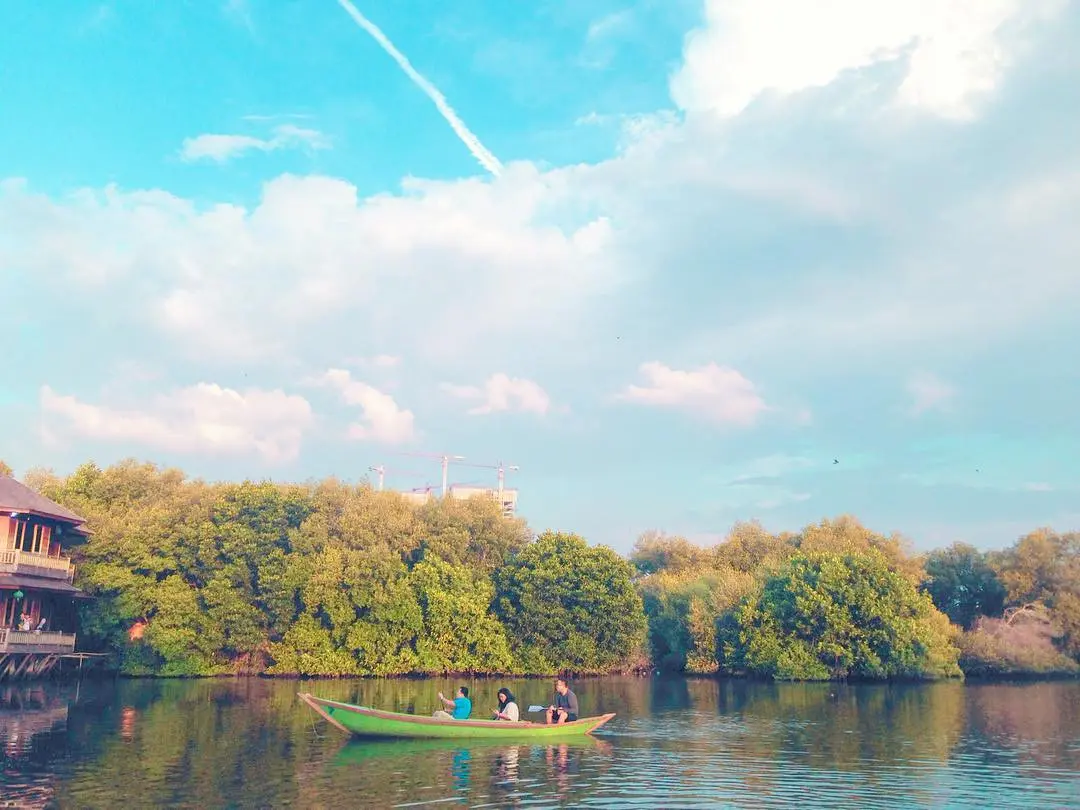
[[27, 641], [16, 561]]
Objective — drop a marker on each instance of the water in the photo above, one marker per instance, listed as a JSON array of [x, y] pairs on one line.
[[676, 743]]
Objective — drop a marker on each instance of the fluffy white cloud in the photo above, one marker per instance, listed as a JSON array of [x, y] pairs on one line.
[[928, 393], [203, 418], [956, 51], [503, 393], [717, 393], [313, 265], [223, 148], [382, 420], [461, 275]]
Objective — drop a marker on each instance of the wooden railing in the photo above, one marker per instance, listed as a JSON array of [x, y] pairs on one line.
[[12, 559], [29, 641]]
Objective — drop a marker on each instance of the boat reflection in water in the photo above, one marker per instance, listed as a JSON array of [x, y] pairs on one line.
[[485, 772], [27, 713]]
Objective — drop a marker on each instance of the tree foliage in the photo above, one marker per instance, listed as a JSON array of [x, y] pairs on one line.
[[332, 579], [570, 606], [963, 585], [683, 609], [837, 615], [655, 551], [324, 579]]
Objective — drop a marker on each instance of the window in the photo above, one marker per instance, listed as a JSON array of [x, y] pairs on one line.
[[41, 539]]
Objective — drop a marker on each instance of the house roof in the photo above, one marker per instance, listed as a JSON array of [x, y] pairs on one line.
[[29, 582], [17, 497]]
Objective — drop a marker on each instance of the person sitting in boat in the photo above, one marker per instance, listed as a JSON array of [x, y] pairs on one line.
[[461, 705], [508, 708], [565, 707]]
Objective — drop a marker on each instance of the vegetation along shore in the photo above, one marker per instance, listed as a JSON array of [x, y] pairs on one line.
[[329, 579]]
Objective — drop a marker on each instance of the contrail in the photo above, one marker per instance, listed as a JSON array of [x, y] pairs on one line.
[[472, 143]]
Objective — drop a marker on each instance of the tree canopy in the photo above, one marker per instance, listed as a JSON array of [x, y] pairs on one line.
[[837, 615], [333, 579], [569, 605]]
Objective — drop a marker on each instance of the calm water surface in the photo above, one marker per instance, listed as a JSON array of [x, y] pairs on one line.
[[676, 743]]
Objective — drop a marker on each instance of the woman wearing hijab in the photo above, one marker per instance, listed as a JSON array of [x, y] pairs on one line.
[[508, 708]]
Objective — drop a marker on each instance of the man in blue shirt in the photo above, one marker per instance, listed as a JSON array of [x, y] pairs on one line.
[[461, 705]]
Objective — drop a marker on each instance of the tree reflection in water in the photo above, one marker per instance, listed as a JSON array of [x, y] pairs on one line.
[[676, 742]]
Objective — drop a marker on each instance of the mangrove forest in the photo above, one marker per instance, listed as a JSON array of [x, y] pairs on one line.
[[327, 578]]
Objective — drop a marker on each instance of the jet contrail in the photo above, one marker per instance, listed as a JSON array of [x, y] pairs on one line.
[[472, 143]]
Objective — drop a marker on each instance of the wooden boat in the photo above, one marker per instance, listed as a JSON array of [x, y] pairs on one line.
[[361, 721]]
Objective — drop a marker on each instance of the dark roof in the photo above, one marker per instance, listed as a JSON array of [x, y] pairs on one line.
[[18, 497], [8, 581]]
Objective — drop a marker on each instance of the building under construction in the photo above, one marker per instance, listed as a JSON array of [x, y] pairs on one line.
[[507, 498]]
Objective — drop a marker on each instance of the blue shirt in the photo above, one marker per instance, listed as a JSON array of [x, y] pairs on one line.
[[462, 708]]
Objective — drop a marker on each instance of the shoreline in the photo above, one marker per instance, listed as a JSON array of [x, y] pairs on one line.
[[972, 680]]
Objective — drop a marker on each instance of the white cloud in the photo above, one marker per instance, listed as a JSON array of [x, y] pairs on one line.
[[956, 50], [222, 148], [311, 265], [382, 420], [463, 274], [774, 466], [503, 393], [929, 393], [203, 418], [717, 393], [1005, 257], [382, 361]]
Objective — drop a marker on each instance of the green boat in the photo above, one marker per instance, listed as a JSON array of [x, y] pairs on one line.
[[363, 751], [361, 721]]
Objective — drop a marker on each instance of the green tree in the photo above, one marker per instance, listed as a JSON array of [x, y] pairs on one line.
[[846, 535], [682, 611], [828, 615], [460, 634], [471, 531], [5, 469], [749, 547], [570, 606], [963, 585], [655, 551]]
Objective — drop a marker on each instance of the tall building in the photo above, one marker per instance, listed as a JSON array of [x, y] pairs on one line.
[[37, 597]]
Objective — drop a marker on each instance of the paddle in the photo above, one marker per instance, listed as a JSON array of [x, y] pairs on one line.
[[535, 709]]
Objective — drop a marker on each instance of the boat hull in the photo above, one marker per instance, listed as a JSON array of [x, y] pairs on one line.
[[361, 721]]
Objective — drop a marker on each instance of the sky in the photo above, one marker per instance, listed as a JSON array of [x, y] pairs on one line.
[[684, 262]]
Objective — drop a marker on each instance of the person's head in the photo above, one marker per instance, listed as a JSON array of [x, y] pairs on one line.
[[561, 686], [463, 691], [505, 696]]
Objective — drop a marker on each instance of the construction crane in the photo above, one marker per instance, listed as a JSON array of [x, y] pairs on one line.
[[381, 471], [502, 468], [446, 459]]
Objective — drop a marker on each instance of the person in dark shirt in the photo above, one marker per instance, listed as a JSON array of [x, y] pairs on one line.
[[565, 707]]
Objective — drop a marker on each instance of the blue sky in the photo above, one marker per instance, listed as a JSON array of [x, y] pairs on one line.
[[730, 242]]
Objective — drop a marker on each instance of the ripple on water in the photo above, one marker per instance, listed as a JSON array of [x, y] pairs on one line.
[[711, 744]]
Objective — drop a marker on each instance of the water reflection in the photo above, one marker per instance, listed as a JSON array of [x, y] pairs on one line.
[[28, 714], [675, 743]]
